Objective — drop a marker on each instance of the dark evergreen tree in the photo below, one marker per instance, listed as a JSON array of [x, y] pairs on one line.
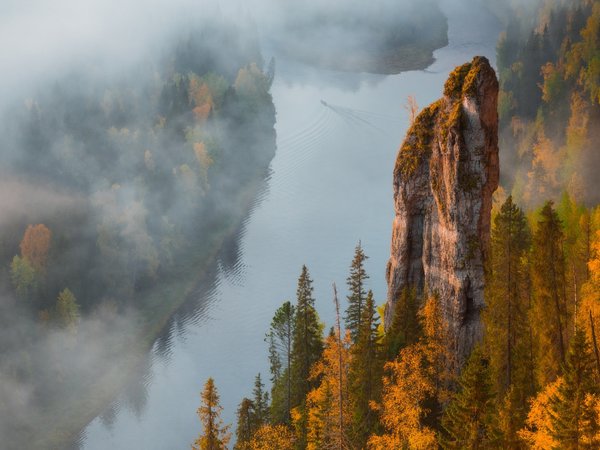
[[357, 296], [574, 419], [307, 347], [468, 422], [261, 403], [280, 339], [549, 294], [245, 425], [366, 368]]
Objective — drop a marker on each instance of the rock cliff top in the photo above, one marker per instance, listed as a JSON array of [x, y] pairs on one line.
[[445, 174]]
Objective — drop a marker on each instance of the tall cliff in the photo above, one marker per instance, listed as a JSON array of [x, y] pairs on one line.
[[445, 174]]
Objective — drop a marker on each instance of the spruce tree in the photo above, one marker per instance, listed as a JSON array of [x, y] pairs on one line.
[[366, 368], [549, 288], [280, 339], [357, 296], [506, 321], [215, 435], [468, 422], [574, 418], [307, 347]]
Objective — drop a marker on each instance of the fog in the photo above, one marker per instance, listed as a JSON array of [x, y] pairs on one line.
[[138, 133]]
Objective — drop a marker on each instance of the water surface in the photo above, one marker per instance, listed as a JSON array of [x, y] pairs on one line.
[[329, 186]]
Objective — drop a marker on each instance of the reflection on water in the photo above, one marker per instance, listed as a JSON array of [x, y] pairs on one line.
[[329, 185]]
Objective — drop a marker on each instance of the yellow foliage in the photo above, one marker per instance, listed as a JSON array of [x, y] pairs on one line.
[[324, 403], [272, 437], [538, 426], [202, 155], [405, 386]]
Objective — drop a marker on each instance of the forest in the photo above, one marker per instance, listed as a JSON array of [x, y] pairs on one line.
[[534, 379]]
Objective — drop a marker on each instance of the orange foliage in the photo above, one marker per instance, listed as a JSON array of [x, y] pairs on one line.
[[405, 387], [201, 97], [35, 245]]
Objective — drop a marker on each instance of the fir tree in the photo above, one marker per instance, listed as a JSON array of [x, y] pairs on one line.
[[215, 435], [366, 369], [307, 347], [357, 296], [468, 422], [549, 288], [575, 422]]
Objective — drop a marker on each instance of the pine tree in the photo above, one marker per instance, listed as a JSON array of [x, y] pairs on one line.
[[575, 418], [468, 422], [280, 339], [405, 328], [549, 292], [366, 369], [215, 435], [245, 426], [307, 347], [357, 297]]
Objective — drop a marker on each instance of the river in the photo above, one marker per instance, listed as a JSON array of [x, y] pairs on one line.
[[330, 185]]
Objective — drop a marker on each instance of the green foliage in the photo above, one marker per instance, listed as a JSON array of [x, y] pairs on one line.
[[453, 88], [468, 422], [23, 277], [245, 426], [307, 347], [280, 340], [575, 422], [366, 369], [550, 307], [67, 310], [356, 298]]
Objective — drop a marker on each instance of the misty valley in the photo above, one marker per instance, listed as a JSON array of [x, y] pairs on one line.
[[316, 225]]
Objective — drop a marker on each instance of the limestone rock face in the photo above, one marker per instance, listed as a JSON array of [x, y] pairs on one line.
[[445, 174]]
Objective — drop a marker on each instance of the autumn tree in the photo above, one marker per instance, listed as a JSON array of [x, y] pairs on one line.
[[307, 347], [35, 246], [280, 339], [215, 435], [357, 296], [406, 387], [67, 310], [469, 421], [328, 405], [273, 437], [549, 305], [366, 367]]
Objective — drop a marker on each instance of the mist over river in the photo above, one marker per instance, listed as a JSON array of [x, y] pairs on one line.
[[329, 186]]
